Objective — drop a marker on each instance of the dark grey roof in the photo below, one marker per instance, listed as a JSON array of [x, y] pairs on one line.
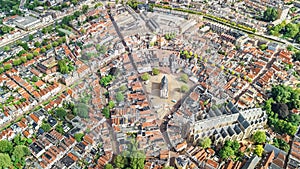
[[251, 163], [164, 82], [211, 113], [237, 129], [223, 133], [269, 148], [230, 131], [244, 123]]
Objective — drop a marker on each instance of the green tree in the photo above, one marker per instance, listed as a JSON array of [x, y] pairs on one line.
[[85, 8], [59, 128], [55, 44], [74, 2], [291, 30], [226, 152], [184, 88], [61, 113], [108, 166], [184, 78], [168, 167], [1, 70], [155, 71], [137, 160], [81, 110], [100, 48], [7, 66], [49, 46], [29, 141], [34, 78], [5, 146], [271, 14], [205, 142], [30, 37], [43, 50], [5, 161], [78, 136], [46, 127], [20, 151], [62, 67], [106, 112], [37, 44], [105, 80], [6, 48], [29, 56], [259, 137], [17, 62], [145, 76], [122, 88], [5, 29], [294, 119], [281, 144], [119, 97], [263, 46], [23, 59], [18, 140], [259, 150], [235, 146], [35, 53], [121, 161], [21, 52], [98, 5], [111, 104]]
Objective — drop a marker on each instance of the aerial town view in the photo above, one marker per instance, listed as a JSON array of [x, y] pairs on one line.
[[150, 84]]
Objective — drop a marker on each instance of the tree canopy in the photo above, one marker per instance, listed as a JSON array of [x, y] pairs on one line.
[[46, 127], [287, 125], [131, 158], [155, 71], [285, 94], [108, 166], [168, 167], [281, 144], [184, 78], [111, 104], [62, 67], [106, 112], [60, 113], [5, 146], [5, 160], [231, 150], [270, 14], [81, 110], [259, 150], [259, 137], [184, 88], [205, 142], [78, 136], [145, 76], [105, 80], [119, 97], [122, 88], [20, 151]]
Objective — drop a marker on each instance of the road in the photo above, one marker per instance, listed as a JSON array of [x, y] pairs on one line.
[[264, 71]]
